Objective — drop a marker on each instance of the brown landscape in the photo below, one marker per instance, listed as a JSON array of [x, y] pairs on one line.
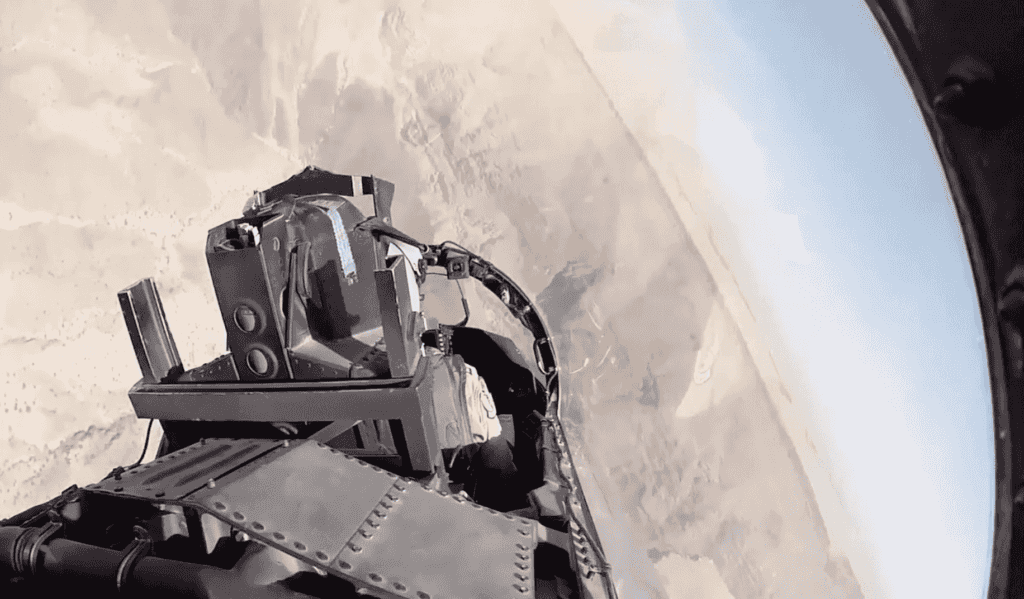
[[133, 128]]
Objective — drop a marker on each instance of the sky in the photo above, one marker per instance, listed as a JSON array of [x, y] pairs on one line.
[[849, 239]]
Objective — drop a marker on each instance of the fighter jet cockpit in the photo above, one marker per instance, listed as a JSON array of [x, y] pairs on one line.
[[315, 295]]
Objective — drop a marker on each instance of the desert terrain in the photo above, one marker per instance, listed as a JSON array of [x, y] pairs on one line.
[[133, 128]]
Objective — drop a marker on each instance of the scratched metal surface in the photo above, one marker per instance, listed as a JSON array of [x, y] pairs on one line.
[[425, 542], [177, 474], [308, 500]]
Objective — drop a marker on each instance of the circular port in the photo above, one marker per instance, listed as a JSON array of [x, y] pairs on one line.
[[246, 319], [258, 362]]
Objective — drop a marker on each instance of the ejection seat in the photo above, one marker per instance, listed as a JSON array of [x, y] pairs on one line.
[[387, 420]]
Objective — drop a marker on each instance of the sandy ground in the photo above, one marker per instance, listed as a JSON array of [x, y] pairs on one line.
[[131, 129]]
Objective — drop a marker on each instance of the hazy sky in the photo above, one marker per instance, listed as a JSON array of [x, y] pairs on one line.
[[843, 212]]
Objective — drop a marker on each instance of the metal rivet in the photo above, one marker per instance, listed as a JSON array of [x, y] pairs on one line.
[[335, 450], [375, 577], [238, 516], [399, 586], [422, 595], [443, 493], [299, 546], [376, 468], [287, 442], [366, 534], [160, 493], [211, 484], [278, 536], [380, 513], [118, 489], [320, 555], [373, 524], [520, 546], [344, 565], [391, 497], [478, 506], [257, 526], [320, 444], [524, 532], [521, 588], [509, 517], [399, 487], [220, 506], [522, 566], [521, 576], [356, 548]]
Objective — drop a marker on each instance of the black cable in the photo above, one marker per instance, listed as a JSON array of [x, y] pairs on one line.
[[145, 444], [465, 303], [457, 246]]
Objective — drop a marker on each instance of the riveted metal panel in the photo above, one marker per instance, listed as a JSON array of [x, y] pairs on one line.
[[425, 544], [307, 500], [178, 474]]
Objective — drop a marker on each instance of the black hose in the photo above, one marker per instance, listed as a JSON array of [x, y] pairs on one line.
[[89, 569]]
